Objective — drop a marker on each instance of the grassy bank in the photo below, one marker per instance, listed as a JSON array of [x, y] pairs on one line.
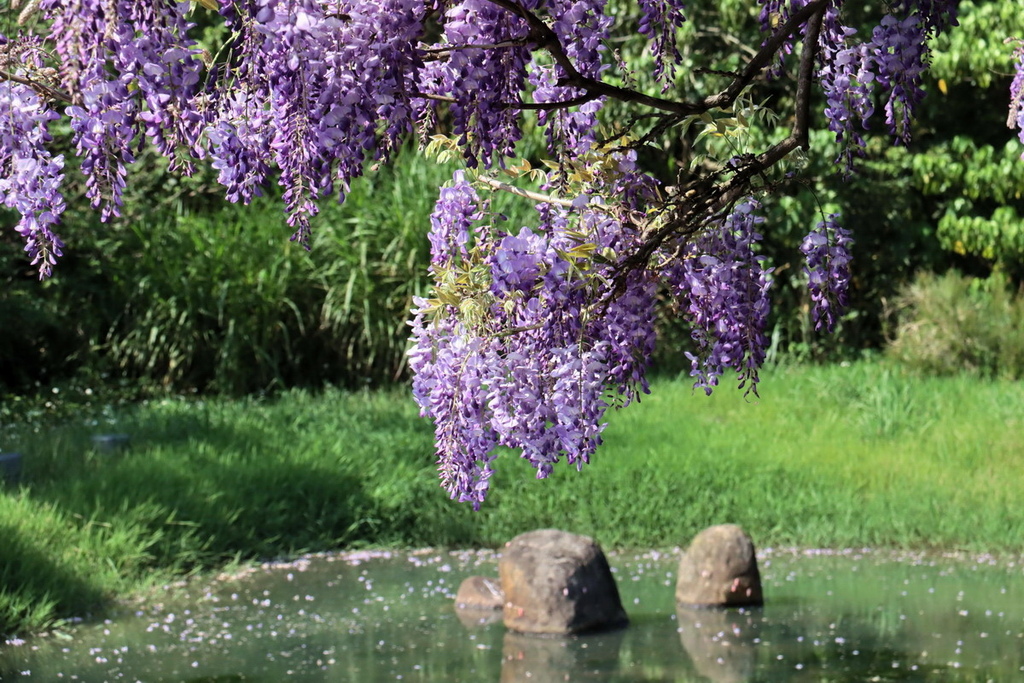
[[830, 456]]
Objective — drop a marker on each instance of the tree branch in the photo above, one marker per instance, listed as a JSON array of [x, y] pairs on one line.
[[528, 194], [703, 201], [439, 52], [436, 98], [41, 88], [535, 196], [763, 58], [738, 185], [543, 37], [551, 106], [534, 106]]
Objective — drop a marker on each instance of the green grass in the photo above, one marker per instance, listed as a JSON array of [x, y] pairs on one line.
[[829, 457]]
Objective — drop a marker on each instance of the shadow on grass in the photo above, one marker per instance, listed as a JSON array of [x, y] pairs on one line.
[[189, 495], [202, 486], [39, 587], [192, 512]]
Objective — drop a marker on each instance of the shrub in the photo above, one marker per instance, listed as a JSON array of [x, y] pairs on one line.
[[950, 323], [195, 294], [221, 300]]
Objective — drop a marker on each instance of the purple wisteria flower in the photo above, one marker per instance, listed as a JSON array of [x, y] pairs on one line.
[[827, 250], [582, 27], [774, 13], [900, 56], [722, 286], [535, 370], [30, 177], [105, 129], [452, 369], [518, 262], [659, 20], [1015, 119], [848, 82], [237, 141], [156, 53], [338, 90], [892, 60], [451, 223], [482, 83], [936, 15]]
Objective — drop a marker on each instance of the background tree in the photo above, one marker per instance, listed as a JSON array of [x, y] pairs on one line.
[[532, 332]]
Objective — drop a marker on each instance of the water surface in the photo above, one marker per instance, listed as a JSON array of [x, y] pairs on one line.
[[829, 616]]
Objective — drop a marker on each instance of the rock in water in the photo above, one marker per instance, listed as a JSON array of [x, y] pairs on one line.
[[479, 592], [558, 583], [479, 601], [719, 569]]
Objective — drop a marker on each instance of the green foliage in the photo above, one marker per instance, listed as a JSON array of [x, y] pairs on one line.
[[41, 572], [953, 198], [973, 177], [243, 309], [188, 293], [198, 294], [42, 340], [964, 167], [975, 52], [980, 193], [895, 201], [210, 300], [829, 457], [950, 324], [210, 483], [999, 238]]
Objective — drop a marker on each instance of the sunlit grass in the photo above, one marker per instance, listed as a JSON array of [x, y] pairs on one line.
[[828, 456], [833, 456]]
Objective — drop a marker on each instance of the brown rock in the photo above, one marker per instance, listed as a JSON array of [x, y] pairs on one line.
[[558, 583], [481, 593], [719, 569]]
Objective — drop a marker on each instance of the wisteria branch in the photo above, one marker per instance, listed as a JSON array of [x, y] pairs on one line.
[[530, 194], [705, 199], [551, 106], [442, 51], [41, 88], [543, 37], [725, 98]]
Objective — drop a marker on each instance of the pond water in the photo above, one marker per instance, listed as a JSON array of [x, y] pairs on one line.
[[829, 616]]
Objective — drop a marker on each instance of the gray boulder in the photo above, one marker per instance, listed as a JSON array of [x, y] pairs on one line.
[[719, 569], [10, 468], [558, 583]]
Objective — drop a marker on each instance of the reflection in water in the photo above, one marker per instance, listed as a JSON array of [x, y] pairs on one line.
[[721, 643], [473, 618], [559, 658], [836, 618]]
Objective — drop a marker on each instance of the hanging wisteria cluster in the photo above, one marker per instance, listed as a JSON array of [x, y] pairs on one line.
[[531, 332], [518, 347], [723, 286], [1015, 119], [827, 250], [892, 60]]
